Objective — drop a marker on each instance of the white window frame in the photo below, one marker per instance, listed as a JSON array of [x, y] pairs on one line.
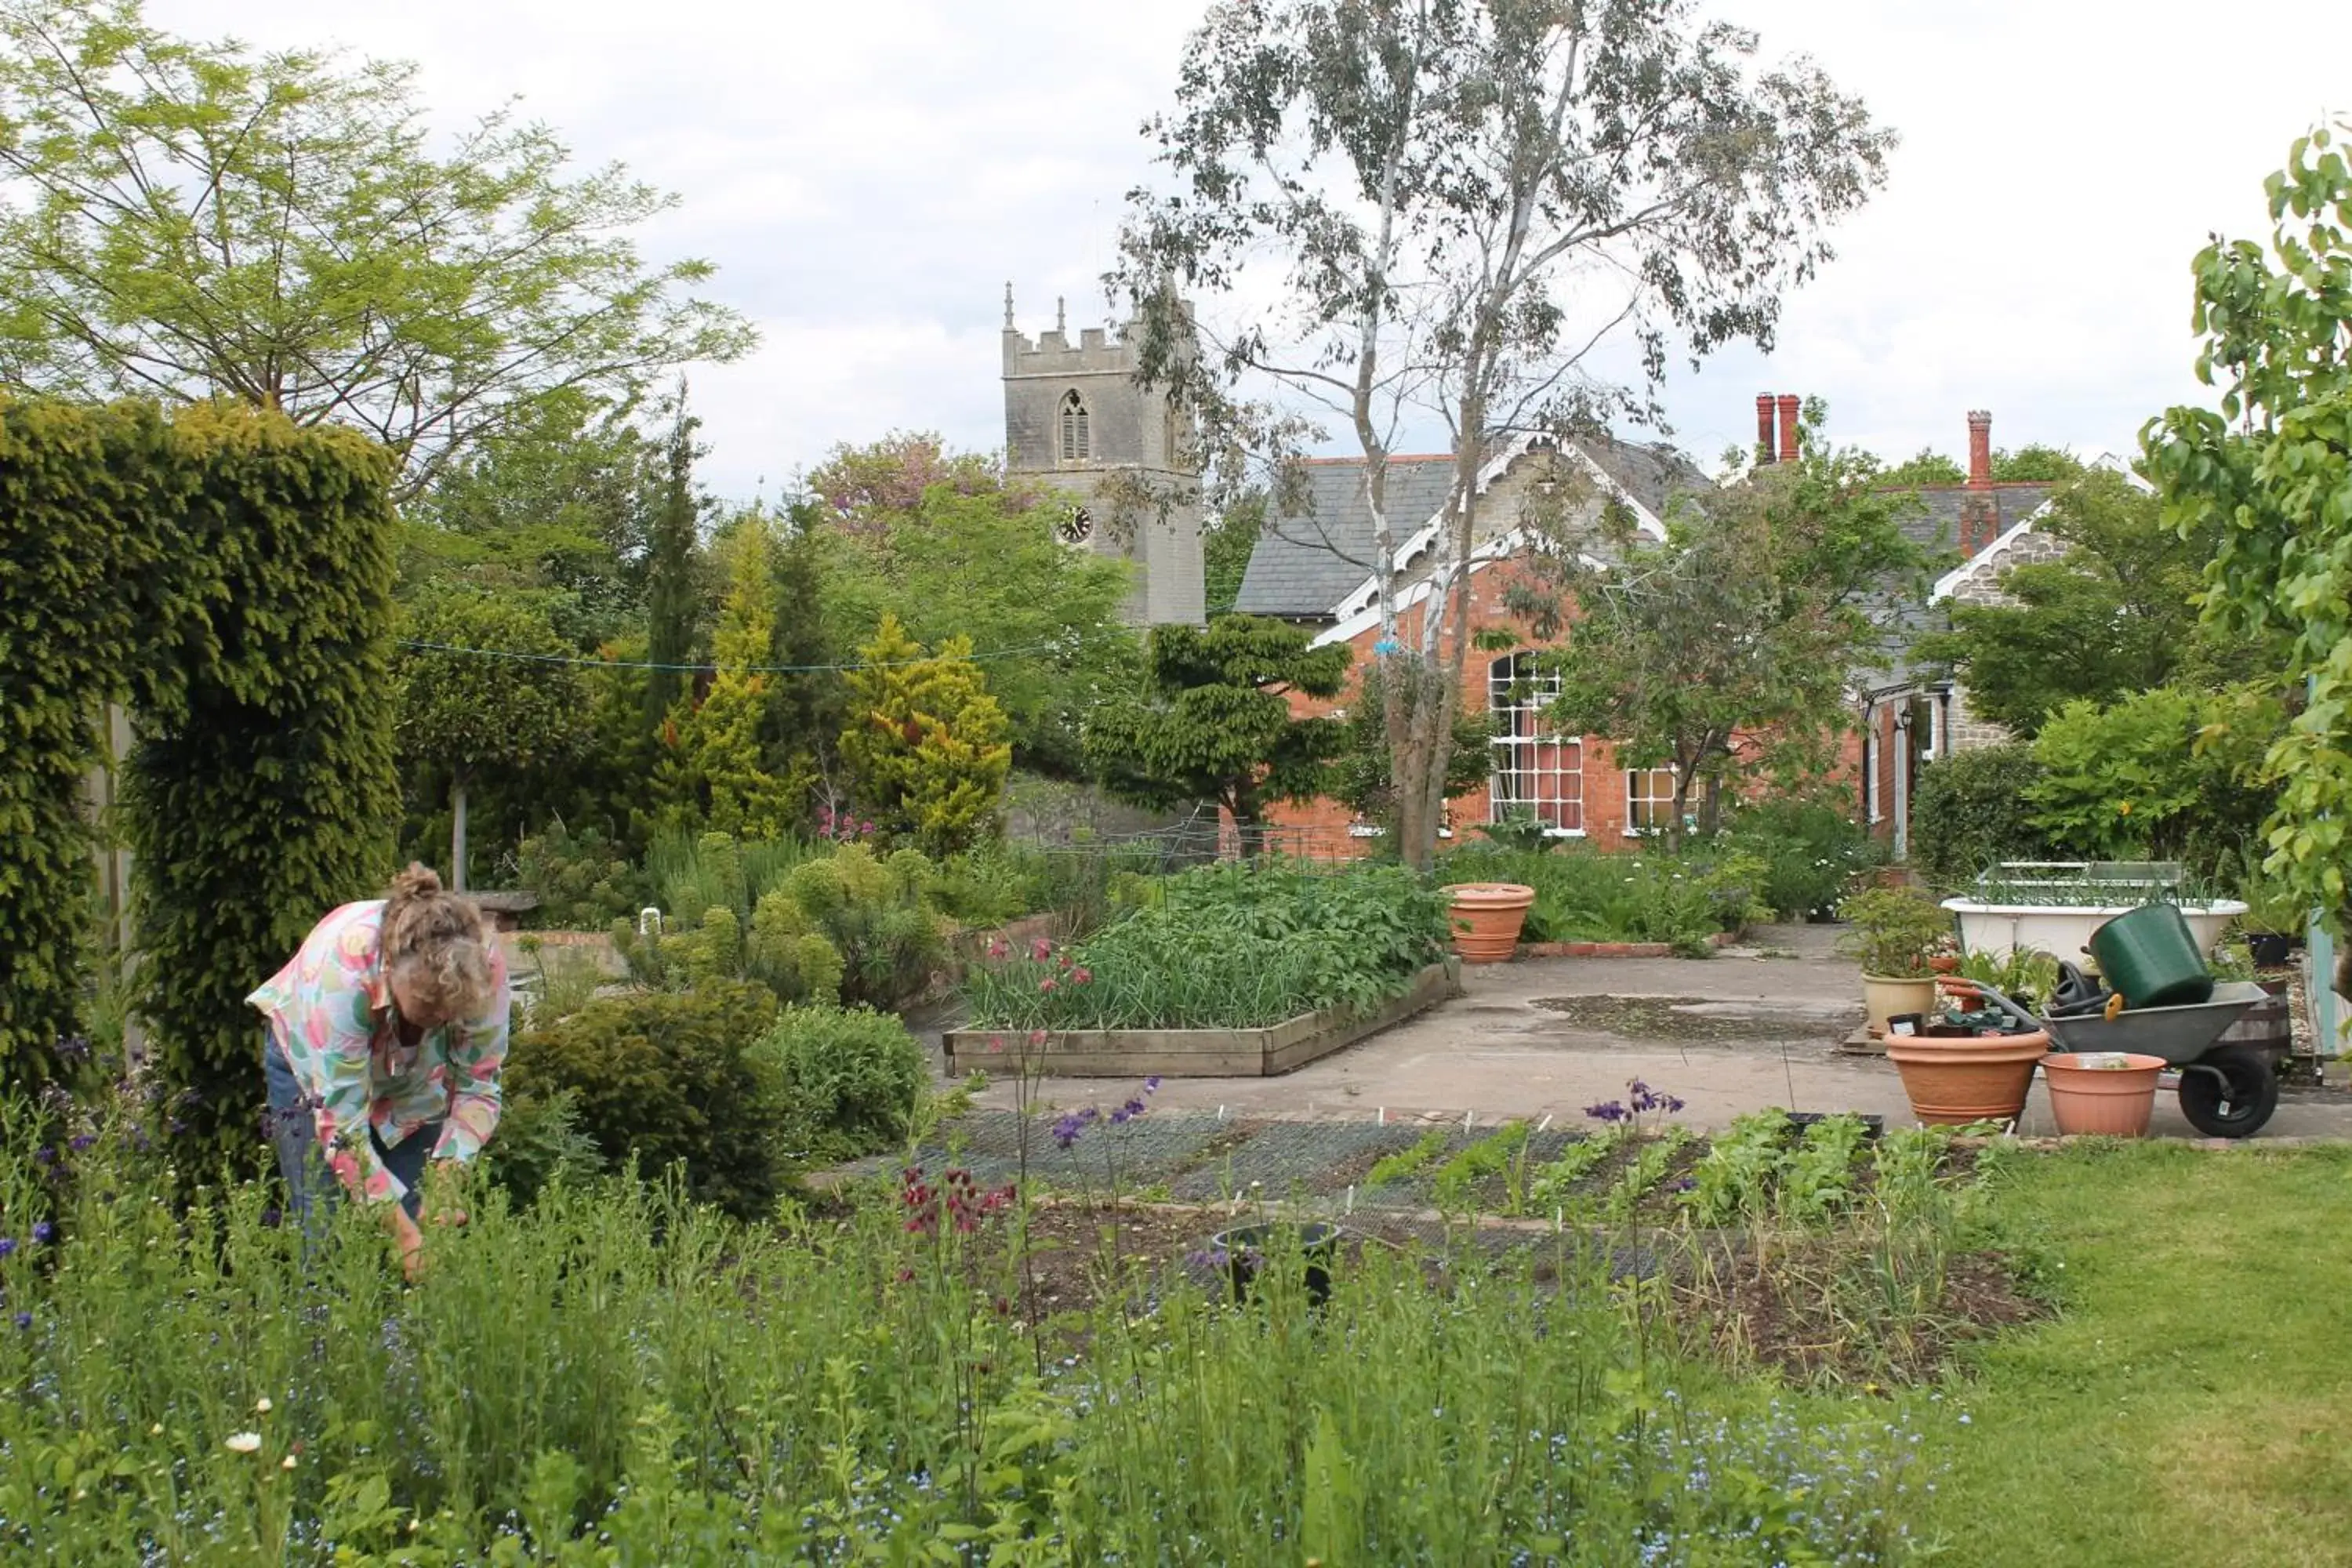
[[1075, 428], [1661, 806], [1526, 756]]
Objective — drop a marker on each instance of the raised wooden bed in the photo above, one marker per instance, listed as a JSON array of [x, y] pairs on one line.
[[1195, 1053]]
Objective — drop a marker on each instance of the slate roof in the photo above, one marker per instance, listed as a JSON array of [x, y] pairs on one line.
[[1307, 562], [1937, 529]]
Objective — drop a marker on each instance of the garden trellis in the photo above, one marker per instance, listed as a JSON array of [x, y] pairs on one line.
[[228, 575]]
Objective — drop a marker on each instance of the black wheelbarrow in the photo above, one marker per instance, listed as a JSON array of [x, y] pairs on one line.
[[2226, 1091]]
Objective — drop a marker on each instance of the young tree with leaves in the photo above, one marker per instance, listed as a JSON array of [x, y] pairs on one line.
[[925, 743], [2270, 473], [1463, 200], [195, 220], [673, 594], [1727, 649], [1212, 722], [715, 775], [480, 718]]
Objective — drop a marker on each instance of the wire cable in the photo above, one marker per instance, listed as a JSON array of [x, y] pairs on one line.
[[1030, 650]]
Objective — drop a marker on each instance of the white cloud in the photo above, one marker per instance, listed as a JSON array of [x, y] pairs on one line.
[[868, 177]]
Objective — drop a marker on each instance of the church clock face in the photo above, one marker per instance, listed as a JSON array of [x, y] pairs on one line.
[[1077, 526]]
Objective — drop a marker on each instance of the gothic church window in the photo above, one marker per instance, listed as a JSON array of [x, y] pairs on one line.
[[1077, 441]]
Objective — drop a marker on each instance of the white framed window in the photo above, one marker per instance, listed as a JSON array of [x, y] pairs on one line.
[[1649, 800], [1870, 769], [1536, 773], [1077, 440]]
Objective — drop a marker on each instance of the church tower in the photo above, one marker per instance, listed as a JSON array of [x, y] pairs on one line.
[[1076, 420]]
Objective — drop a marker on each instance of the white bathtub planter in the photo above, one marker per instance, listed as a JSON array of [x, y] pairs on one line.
[[2063, 930]]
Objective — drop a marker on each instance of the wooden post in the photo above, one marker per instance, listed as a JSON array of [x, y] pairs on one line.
[[457, 835]]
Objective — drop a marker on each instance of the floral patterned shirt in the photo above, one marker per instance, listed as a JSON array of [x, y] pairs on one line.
[[329, 1009]]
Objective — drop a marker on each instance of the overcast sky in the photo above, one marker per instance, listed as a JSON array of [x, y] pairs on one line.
[[868, 177]]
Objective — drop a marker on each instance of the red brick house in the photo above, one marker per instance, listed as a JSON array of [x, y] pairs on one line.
[[1312, 566]]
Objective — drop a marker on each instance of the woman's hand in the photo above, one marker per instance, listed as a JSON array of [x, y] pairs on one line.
[[444, 1193], [410, 1241]]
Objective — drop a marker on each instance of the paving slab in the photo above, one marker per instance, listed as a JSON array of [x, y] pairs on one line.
[[1753, 1026]]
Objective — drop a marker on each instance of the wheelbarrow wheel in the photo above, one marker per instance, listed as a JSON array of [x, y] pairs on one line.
[[2235, 1109]]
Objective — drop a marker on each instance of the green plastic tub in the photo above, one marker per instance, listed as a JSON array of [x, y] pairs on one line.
[[2150, 956]]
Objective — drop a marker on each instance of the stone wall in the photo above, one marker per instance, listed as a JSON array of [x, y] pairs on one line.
[[1981, 584]]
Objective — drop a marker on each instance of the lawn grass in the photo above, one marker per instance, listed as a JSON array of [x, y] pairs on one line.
[[2192, 1403]]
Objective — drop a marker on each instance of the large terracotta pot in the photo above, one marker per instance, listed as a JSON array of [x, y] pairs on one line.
[[1487, 919], [2113, 1100], [1884, 998], [1956, 1080]]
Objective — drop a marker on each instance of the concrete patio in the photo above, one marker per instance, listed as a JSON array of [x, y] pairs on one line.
[[1754, 1026]]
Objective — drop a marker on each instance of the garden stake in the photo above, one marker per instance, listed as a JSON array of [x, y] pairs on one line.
[[1545, 1122]]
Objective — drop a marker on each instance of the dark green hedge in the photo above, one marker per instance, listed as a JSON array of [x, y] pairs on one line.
[[1971, 810], [228, 573]]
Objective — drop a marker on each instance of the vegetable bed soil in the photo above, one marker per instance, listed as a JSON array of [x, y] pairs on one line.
[[1193, 1053]]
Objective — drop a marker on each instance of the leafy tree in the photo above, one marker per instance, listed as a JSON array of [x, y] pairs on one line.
[[2036, 463], [673, 596], [715, 774], [2117, 615], [194, 220], [556, 500], [471, 717], [1046, 617], [2271, 470], [1927, 468], [1431, 184], [1361, 778], [2046, 465], [1214, 720], [1225, 548], [1972, 811], [1726, 650], [925, 742], [2172, 775]]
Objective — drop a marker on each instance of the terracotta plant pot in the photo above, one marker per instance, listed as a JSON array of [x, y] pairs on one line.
[[1884, 998], [1944, 964], [1487, 919], [2116, 1101], [1964, 994], [1955, 1080]]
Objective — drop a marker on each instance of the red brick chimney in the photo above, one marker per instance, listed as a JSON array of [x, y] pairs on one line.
[[1789, 405], [1763, 428], [1979, 514]]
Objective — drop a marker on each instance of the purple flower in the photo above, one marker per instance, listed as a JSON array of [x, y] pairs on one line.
[[45, 1156], [1609, 1111], [23, 1320], [1151, 1084], [1067, 1128], [7, 1244], [81, 1141], [270, 1218], [1119, 1118], [42, 1231]]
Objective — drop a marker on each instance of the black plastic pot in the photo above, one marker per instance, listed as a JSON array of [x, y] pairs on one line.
[[1872, 1126], [1245, 1250], [2271, 948]]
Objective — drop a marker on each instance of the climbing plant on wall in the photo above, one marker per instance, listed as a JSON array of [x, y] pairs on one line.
[[230, 574]]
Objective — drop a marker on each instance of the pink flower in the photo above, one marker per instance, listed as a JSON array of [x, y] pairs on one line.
[[1081, 974], [1037, 1036], [1041, 950], [999, 948], [995, 1042], [1047, 983]]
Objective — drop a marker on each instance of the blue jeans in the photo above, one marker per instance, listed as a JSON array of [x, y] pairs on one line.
[[294, 1132]]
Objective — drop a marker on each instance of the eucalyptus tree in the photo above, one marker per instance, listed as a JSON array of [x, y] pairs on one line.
[[1488, 217]]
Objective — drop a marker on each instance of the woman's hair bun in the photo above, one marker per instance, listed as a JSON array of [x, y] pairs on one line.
[[419, 881]]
